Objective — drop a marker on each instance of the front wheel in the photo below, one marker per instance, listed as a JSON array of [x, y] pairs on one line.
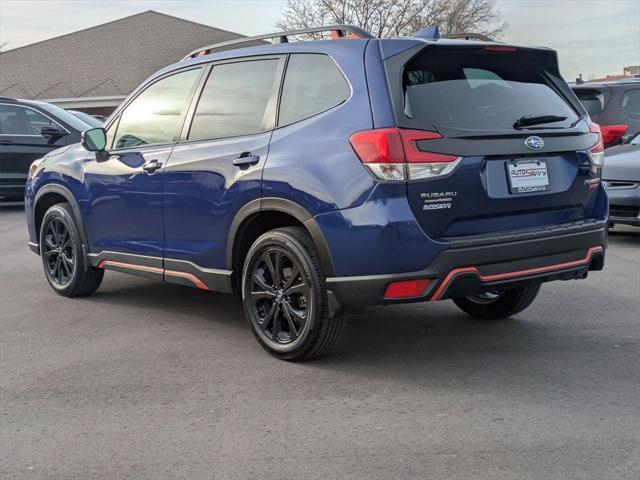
[[493, 305], [62, 257], [284, 296]]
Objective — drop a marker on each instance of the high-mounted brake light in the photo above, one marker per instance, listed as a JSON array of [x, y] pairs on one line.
[[612, 133], [596, 152], [498, 48], [393, 154]]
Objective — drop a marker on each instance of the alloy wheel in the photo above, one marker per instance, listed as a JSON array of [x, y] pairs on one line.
[[280, 297], [58, 252]]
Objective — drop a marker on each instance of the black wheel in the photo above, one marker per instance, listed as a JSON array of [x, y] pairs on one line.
[[60, 248], [493, 305], [284, 296]]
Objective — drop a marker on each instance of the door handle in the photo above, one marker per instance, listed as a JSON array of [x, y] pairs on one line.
[[6, 142], [152, 165], [246, 159]]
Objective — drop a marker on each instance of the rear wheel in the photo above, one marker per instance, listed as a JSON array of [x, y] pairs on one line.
[[62, 257], [493, 305], [284, 296]]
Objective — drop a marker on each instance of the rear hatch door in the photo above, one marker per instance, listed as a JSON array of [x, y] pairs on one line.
[[521, 135]]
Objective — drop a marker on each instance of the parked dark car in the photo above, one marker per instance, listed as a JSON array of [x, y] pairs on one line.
[[621, 173], [30, 130], [313, 177], [615, 106]]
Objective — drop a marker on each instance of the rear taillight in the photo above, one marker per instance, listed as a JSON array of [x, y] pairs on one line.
[[392, 154], [612, 133], [597, 151]]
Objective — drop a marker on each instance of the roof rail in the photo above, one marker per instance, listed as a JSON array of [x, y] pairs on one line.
[[6, 98], [337, 31], [469, 36]]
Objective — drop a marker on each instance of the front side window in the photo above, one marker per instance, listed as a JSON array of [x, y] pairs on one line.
[[36, 121], [313, 84], [631, 104], [155, 116], [235, 100]]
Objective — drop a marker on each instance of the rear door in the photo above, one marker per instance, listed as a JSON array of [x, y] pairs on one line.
[[21, 143], [508, 123], [216, 168]]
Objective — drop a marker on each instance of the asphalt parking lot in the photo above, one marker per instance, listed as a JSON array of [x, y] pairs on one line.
[[146, 380]]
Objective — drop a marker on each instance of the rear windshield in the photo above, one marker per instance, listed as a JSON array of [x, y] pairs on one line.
[[473, 89], [593, 100]]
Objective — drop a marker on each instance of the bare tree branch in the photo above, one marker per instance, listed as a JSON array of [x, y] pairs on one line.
[[386, 18]]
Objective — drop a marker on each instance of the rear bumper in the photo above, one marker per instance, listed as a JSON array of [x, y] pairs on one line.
[[476, 264]]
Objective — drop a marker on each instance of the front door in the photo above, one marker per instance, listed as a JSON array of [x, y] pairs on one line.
[[125, 189]]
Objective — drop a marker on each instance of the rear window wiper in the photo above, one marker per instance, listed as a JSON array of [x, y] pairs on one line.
[[527, 121]]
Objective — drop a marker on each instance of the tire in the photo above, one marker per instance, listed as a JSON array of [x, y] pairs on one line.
[[494, 306], [284, 291], [63, 260]]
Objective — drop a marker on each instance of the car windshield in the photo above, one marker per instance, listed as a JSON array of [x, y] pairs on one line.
[[66, 117], [480, 90], [86, 118]]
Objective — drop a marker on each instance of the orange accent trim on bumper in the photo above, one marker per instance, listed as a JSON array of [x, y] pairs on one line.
[[520, 273], [189, 276]]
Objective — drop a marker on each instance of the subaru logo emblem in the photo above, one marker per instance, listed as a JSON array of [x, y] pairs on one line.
[[534, 143]]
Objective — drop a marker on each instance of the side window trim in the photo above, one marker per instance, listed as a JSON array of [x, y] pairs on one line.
[[121, 110], [272, 105], [26, 107]]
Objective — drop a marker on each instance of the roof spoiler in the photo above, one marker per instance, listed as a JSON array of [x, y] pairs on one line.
[[469, 36], [337, 32]]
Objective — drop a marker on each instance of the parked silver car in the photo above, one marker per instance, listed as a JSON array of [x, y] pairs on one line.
[[621, 172]]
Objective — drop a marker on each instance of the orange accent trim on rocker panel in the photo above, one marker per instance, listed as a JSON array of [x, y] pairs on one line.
[[519, 273], [172, 273]]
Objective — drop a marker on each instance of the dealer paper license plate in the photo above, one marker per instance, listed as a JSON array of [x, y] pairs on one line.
[[528, 176]]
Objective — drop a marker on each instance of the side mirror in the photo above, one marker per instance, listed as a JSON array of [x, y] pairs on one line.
[[94, 140], [52, 133], [626, 138]]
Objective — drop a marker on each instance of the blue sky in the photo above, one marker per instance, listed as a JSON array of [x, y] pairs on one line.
[[593, 37]]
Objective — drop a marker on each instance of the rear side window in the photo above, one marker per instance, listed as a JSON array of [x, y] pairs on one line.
[[155, 116], [630, 104], [593, 100], [235, 100], [476, 90], [313, 84]]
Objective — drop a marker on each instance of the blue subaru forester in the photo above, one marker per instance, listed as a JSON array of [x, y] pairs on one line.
[[314, 177]]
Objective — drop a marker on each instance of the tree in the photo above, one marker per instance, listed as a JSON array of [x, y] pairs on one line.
[[387, 18]]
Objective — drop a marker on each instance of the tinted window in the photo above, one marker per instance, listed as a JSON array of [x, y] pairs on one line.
[[86, 118], [234, 100], [313, 84], [631, 104], [593, 100], [474, 91], [12, 121], [65, 116], [155, 116], [35, 121]]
